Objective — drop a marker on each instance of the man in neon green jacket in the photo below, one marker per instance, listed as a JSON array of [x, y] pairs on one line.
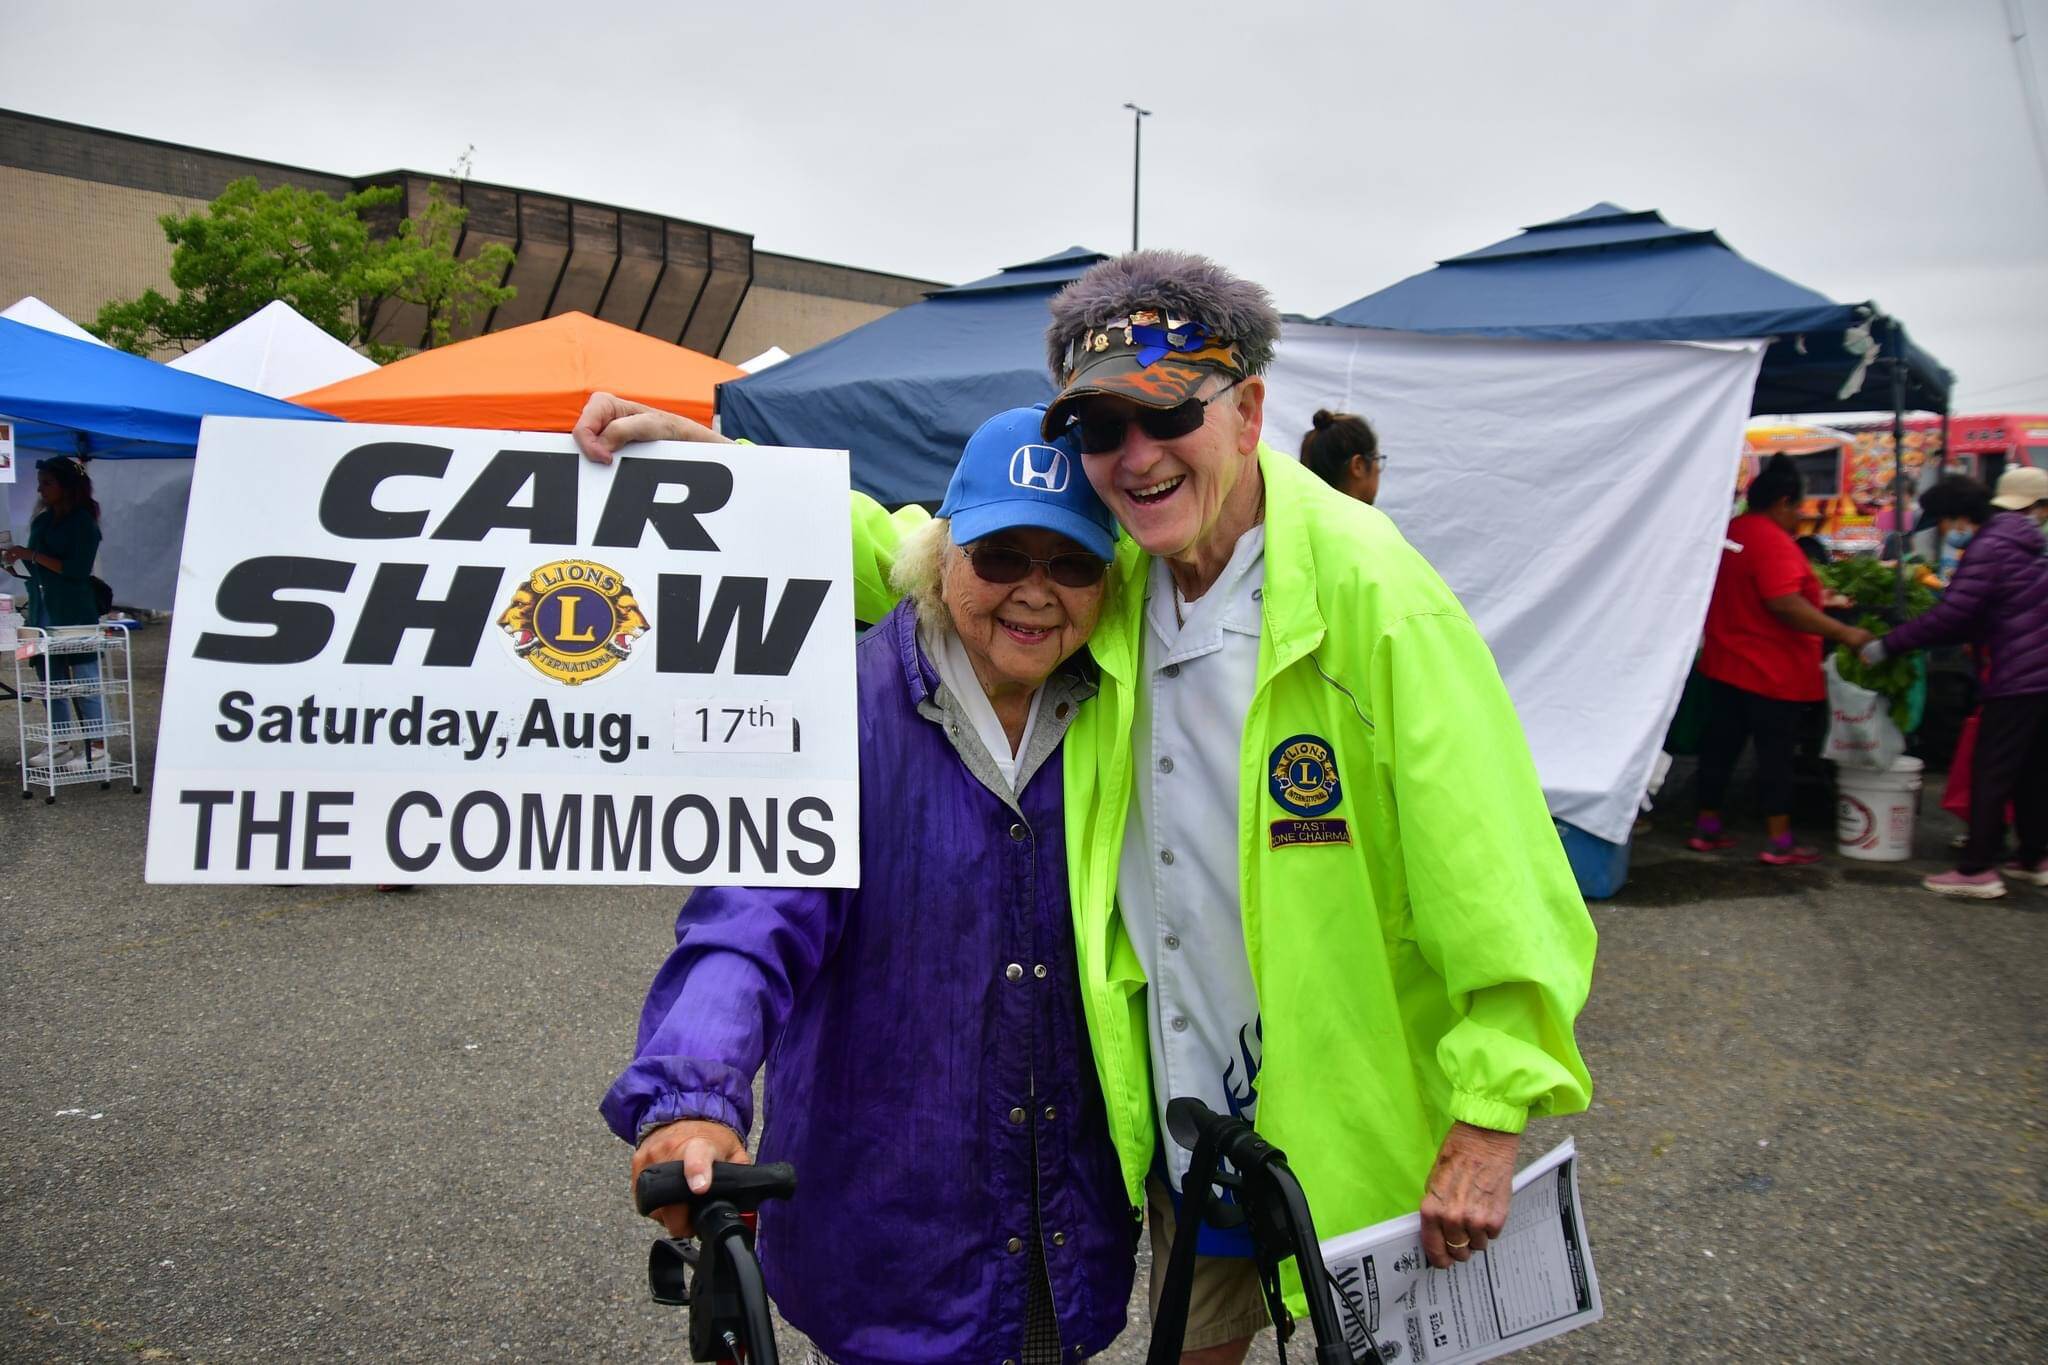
[[1410, 946]]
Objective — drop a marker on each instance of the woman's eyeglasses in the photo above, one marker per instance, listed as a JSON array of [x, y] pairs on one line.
[[1103, 433], [1003, 564]]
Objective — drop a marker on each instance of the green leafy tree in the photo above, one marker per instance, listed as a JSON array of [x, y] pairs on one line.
[[251, 246], [419, 266]]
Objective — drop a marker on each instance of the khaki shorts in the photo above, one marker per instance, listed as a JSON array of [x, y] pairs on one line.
[[1226, 1304]]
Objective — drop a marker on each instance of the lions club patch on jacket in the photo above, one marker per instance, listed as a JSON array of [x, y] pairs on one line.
[[573, 620], [1302, 775]]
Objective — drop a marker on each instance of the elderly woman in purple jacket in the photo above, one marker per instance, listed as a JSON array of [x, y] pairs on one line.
[[928, 1064], [1997, 601]]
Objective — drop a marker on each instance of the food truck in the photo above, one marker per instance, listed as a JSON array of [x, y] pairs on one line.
[[1982, 445], [1822, 457], [1847, 470]]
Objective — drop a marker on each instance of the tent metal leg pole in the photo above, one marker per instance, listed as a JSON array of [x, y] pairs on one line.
[[1897, 337]]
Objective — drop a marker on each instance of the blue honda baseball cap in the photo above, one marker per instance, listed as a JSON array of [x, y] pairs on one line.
[[1010, 476]]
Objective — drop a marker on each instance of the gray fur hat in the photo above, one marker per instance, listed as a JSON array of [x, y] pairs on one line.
[[1149, 326]]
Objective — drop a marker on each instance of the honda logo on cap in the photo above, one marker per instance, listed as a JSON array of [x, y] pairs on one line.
[[1040, 467]]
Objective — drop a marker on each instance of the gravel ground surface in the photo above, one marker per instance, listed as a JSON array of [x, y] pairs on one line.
[[263, 1123]]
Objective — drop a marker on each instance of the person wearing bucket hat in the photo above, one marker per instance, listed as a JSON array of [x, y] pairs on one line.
[[961, 1198], [1998, 603], [2023, 488]]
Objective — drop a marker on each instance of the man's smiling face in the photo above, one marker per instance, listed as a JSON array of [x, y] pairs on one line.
[[1169, 495]]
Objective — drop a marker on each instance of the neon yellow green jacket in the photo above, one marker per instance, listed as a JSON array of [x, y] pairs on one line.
[[1427, 968]]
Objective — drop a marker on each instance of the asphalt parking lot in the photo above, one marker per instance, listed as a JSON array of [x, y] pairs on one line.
[[272, 1122]]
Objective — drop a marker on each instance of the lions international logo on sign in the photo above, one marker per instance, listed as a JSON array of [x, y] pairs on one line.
[[573, 620], [1042, 467]]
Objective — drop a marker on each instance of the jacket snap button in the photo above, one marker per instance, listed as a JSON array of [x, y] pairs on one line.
[[1059, 1239], [1173, 940], [1060, 712], [1166, 856], [1018, 832], [1039, 971], [1015, 971], [1051, 1113], [1166, 765], [1017, 1115], [1180, 1025], [1171, 670], [1016, 1244]]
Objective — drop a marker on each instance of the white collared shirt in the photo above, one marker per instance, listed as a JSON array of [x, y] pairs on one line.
[[1177, 884]]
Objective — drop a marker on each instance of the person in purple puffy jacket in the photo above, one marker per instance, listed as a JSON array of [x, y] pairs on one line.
[[1997, 602]]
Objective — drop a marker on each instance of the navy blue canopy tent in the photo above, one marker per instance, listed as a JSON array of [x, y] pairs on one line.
[[904, 392], [1609, 274], [70, 397]]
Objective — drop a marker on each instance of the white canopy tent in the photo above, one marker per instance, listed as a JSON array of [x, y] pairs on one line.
[[1574, 496], [30, 311], [274, 351], [769, 358]]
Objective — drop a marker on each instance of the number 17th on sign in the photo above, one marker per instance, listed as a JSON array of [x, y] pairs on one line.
[[725, 726]]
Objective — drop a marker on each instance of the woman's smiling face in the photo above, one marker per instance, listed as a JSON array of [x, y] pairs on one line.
[[1016, 634]]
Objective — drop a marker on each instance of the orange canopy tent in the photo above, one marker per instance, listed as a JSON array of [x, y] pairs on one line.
[[531, 378]]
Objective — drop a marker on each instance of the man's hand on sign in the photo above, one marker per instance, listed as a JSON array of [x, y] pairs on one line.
[[1466, 1202], [609, 422], [696, 1143]]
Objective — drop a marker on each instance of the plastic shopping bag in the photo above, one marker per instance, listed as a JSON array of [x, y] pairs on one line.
[[1860, 729]]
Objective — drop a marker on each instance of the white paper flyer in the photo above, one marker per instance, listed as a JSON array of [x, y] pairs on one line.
[[1534, 1282]]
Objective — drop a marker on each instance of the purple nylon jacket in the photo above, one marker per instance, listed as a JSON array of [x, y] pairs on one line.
[[928, 1064], [1998, 601]]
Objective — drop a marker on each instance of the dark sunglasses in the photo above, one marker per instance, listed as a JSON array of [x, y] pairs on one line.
[[1101, 433], [1002, 564]]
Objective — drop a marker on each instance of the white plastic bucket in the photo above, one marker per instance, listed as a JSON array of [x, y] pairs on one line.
[[1875, 811]]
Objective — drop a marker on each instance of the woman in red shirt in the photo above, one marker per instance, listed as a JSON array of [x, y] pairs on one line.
[[1762, 661]]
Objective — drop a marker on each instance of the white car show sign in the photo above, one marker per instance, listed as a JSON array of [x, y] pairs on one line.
[[414, 655]]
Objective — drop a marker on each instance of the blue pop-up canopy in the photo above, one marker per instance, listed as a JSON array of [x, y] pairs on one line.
[[70, 397], [1609, 274], [904, 392]]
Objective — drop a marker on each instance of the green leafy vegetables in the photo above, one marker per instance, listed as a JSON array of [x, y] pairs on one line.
[[1873, 587]]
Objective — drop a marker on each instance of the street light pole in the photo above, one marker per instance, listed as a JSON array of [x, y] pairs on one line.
[[1138, 117]]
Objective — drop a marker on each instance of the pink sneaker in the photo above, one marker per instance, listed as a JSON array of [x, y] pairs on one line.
[[2033, 873], [1787, 854], [1708, 841], [1978, 886]]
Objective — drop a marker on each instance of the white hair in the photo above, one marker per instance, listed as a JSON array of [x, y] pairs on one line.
[[920, 570]]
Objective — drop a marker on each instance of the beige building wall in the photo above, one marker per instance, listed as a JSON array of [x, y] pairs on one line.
[[77, 244], [795, 322], [78, 229], [796, 304]]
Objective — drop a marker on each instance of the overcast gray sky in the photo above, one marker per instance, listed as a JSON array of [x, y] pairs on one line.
[[1872, 149]]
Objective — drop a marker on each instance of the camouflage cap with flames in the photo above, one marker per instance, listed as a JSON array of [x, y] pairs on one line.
[[1149, 327]]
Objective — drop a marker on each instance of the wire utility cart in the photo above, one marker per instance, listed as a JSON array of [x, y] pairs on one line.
[[86, 726]]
